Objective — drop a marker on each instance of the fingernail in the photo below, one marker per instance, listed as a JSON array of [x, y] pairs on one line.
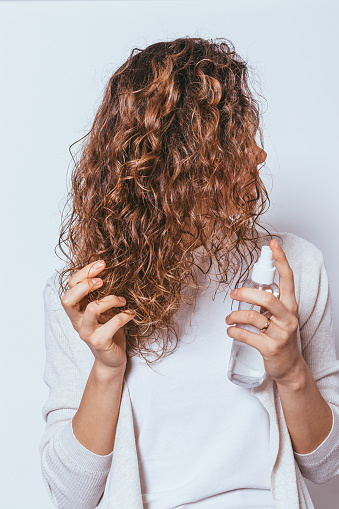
[[277, 246], [234, 292], [96, 281], [122, 299], [97, 265]]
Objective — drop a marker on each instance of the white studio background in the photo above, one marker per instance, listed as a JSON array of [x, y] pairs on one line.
[[56, 57]]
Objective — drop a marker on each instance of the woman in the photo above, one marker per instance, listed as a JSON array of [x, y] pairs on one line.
[[167, 194]]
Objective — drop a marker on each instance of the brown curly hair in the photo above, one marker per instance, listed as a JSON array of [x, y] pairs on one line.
[[169, 157]]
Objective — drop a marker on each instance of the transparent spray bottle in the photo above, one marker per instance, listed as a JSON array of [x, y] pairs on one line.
[[246, 365]]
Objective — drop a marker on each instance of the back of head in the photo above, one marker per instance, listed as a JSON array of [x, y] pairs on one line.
[[169, 165]]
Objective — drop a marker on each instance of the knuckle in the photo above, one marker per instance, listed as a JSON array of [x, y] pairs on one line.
[[92, 307], [294, 323], [96, 341], [119, 320], [65, 300], [92, 339], [273, 349], [70, 281], [269, 298], [242, 334], [285, 337], [252, 316], [85, 337]]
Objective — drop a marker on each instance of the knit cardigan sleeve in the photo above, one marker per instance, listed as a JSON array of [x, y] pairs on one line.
[[74, 477], [318, 349]]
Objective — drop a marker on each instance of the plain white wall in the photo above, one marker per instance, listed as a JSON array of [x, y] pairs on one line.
[[56, 58]]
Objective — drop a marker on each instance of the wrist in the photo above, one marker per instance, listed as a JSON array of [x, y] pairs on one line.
[[104, 373], [297, 379]]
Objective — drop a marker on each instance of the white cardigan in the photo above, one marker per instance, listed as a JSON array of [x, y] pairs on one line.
[[78, 478]]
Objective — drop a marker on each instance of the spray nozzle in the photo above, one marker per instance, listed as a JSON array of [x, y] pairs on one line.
[[263, 269]]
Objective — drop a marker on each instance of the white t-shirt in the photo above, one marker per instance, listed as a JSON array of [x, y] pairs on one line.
[[202, 441]]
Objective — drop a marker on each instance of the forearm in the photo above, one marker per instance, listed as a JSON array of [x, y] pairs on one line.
[[307, 414], [95, 422]]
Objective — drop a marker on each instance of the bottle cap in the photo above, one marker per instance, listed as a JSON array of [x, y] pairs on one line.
[[263, 270]]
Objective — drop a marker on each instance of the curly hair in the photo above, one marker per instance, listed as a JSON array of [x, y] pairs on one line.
[[169, 157]]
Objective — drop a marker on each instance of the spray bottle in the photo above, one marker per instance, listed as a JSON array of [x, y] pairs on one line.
[[246, 365]]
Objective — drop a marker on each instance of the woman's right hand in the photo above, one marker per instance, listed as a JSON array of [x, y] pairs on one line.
[[107, 341]]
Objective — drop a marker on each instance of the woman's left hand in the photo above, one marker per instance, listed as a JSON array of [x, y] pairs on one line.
[[278, 345]]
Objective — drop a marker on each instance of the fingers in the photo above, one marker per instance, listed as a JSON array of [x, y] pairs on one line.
[[261, 298], [276, 328], [71, 300], [286, 277], [94, 309], [80, 284], [109, 330], [255, 319], [88, 271]]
